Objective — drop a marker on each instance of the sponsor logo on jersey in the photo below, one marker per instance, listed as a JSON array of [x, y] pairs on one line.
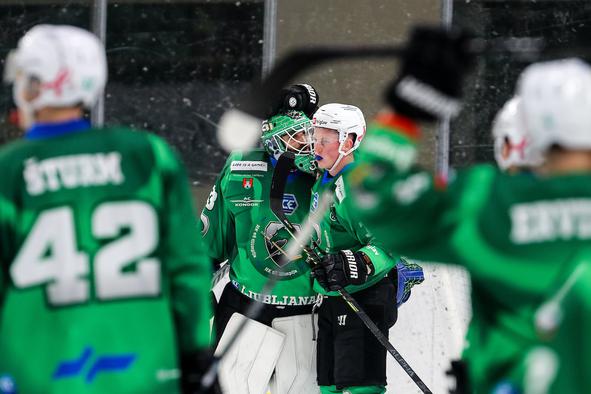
[[248, 166], [342, 320], [247, 183], [273, 299], [96, 364], [246, 202], [548, 221], [340, 189], [290, 203], [72, 171], [7, 385], [315, 198]]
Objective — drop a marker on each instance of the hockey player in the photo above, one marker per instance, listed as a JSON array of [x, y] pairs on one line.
[[238, 225], [103, 288], [350, 359], [518, 235], [512, 145]]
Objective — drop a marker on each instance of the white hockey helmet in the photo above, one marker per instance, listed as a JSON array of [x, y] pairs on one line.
[[64, 65], [556, 104], [508, 130], [343, 118]]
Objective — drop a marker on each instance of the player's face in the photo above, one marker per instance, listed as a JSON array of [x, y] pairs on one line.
[[295, 142], [326, 146]]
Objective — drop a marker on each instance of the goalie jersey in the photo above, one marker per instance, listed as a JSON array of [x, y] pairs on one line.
[[238, 225]]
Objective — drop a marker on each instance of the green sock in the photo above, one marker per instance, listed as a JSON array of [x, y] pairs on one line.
[[329, 390], [353, 390], [365, 390]]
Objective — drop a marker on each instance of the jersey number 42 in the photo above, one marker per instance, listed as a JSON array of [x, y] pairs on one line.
[[50, 255]]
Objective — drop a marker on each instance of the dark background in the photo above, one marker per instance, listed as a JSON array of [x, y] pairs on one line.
[[173, 68], [565, 26], [176, 66]]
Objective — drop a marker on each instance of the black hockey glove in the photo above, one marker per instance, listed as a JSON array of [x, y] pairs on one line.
[[429, 83], [301, 97], [193, 367], [342, 269]]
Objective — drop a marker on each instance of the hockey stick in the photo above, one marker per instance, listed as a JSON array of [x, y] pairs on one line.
[[282, 169], [255, 308], [240, 128]]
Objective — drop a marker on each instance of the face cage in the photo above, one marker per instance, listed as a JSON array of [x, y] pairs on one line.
[[291, 143]]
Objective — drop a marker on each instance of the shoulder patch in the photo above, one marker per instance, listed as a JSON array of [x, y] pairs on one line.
[[239, 165], [340, 189]]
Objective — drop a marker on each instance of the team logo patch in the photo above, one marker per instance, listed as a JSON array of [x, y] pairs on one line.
[[96, 363], [290, 204], [247, 183], [268, 243]]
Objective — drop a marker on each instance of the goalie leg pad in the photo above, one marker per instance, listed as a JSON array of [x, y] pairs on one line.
[[295, 372], [249, 364]]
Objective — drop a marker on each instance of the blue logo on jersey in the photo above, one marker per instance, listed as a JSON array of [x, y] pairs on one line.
[[7, 385], [102, 363], [314, 202], [290, 204]]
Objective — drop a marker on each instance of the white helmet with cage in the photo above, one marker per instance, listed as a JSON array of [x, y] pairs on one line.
[[344, 119], [511, 141], [56, 66], [556, 102]]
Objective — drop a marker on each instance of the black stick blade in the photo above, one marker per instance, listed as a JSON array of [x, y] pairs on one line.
[[284, 165]]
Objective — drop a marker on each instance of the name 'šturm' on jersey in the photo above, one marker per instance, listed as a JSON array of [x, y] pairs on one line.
[[72, 171], [542, 221]]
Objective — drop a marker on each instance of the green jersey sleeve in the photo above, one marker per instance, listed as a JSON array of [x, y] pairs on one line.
[[407, 209], [339, 229], [188, 264], [519, 236], [382, 261], [217, 222]]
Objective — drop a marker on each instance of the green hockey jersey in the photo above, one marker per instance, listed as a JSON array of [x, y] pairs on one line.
[[104, 279], [519, 237], [338, 230], [238, 225]]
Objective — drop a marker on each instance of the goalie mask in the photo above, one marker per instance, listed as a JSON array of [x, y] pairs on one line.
[[291, 131]]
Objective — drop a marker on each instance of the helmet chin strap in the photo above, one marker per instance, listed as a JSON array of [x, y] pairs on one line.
[[336, 162], [341, 156]]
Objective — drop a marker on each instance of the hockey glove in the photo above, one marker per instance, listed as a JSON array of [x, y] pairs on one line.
[[429, 84], [301, 97], [345, 268], [409, 275], [193, 367]]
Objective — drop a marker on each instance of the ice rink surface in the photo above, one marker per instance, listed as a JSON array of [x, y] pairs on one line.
[[430, 329]]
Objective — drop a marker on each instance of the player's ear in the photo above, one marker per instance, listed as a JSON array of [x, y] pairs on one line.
[[350, 141]]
